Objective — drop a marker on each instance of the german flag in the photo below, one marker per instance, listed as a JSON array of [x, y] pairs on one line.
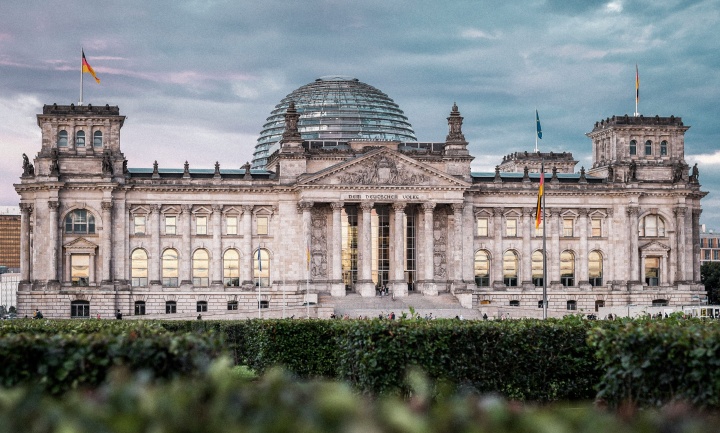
[[87, 69], [541, 191], [637, 85]]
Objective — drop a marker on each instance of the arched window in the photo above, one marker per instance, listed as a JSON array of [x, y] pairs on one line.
[[80, 139], [595, 268], [62, 139], [663, 148], [170, 307], [633, 147], [261, 268], [648, 147], [537, 268], [97, 139], [510, 268], [139, 268], [200, 267], [652, 226], [80, 309], [80, 221], [139, 308], [571, 305], [170, 268], [231, 270], [482, 269], [567, 268]]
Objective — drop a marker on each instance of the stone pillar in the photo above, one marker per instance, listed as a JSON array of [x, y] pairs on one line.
[[185, 255], [694, 246], [457, 247], [365, 285], [53, 233], [92, 278], [246, 264], [583, 279], [497, 262], [680, 247], [468, 256], [306, 209], [526, 262], [216, 269], [634, 270], [398, 284], [106, 246], [429, 287], [337, 287], [156, 259], [25, 212], [554, 252]]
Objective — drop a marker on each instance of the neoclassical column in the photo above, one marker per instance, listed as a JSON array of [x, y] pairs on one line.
[[428, 208], [106, 247], [398, 263], [526, 266], [185, 258], [92, 266], [306, 208], [457, 243], [695, 245], [246, 264], [680, 258], [156, 262], [632, 213], [553, 260], [216, 258], [497, 262], [25, 212], [365, 240], [337, 288], [53, 232], [583, 221]]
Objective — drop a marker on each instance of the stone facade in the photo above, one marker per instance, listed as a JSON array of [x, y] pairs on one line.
[[97, 236]]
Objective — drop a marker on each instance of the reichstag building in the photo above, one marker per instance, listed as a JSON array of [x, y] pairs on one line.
[[342, 199]]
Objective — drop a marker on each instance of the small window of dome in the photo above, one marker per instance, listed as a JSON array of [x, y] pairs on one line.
[[62, 138], [663, 148], [648, 148], [97, 139], [80, 139], [633, 147]]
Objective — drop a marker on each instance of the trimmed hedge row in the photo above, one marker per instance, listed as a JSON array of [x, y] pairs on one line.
[[651, 363], [221, 403], [63, 361]]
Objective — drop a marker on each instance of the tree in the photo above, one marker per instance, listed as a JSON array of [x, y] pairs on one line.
[[710, 276]]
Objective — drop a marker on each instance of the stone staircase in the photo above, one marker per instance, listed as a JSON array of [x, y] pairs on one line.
[[443, 305]]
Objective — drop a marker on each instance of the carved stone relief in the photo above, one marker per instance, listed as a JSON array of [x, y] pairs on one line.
[[382, 170], [440, 224], [318, 243]]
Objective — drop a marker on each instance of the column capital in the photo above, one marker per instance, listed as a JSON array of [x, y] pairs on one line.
[[26, 207], [428, 206], [155, 208], [498, 211], [680, 211], [107, 205], [217, 208], [366, 206], [399, 206], [458, 207], [247, 208], [186, 208], [337, 205], [633, 211], [610, 211], [53, 204], [304, 205], [528, 211], [583, 211]]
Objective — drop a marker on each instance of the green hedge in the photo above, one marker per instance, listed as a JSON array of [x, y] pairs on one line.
[[221, 403], [650, 362], [61, 361]]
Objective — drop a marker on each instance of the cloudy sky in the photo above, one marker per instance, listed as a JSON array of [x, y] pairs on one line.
[[196, 79]]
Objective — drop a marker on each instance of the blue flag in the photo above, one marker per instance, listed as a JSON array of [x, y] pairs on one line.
[[259, 261], [537, 120]]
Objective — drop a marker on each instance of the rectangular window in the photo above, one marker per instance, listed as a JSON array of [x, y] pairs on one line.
[[170, 307], [596, 227], [652, 271], [140, 308], [539, 229], [201, 306], [139, 223], [482, 227], [80, 269], [568, 224], [262, 225], [706, 254], [231, 225], [716, 254], [201, 225], [232, 305], [511, 228], [170, 225]]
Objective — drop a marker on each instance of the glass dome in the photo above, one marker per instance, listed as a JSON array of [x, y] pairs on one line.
[[335, 108]]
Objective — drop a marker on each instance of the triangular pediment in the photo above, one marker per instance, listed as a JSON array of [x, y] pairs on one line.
[[80, 245], [655, 247], [383, 167]]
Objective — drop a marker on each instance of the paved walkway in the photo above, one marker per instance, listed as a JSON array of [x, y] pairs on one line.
[[444, 305]]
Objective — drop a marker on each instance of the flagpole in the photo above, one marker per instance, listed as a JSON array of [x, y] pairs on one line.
[[307, 283], [258, 282], [637, 90], [81, 77], [542, 173]]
